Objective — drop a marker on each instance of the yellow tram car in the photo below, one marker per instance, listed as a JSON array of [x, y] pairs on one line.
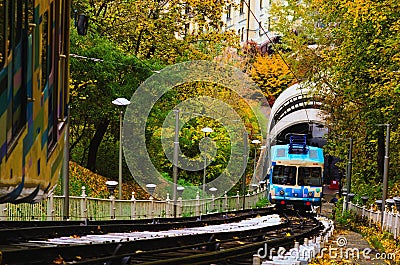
[[34, 53]]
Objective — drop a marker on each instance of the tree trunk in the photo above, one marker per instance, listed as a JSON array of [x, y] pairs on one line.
[[101, 129]]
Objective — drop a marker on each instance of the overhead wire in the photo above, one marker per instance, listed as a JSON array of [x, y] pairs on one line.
[[113, 62], [280, 55], [260, 26]]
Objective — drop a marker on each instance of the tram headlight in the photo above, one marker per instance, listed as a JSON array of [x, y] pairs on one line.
[[281, 192], [310, 194]]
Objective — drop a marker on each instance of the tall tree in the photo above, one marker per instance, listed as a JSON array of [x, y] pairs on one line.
[[101, 73], [170, 30], [127, 40], [351, 49], [272, 75]]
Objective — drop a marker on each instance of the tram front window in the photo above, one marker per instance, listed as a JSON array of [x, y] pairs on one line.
[[284, 175], [310, 176]]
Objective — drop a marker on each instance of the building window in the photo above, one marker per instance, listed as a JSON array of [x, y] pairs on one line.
[[187, 27], [269, 23], [241, 34], [187, 9], [241, 7], [261, 4], [228, 12]]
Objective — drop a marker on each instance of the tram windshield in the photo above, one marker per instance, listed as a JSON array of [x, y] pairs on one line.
[[285, 175], [310, 176]]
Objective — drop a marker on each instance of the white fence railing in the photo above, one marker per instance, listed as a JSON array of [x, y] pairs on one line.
[[390, 221], [83, 207]]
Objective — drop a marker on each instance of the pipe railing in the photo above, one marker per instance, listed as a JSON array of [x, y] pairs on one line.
[[84, 207], [390, 221]]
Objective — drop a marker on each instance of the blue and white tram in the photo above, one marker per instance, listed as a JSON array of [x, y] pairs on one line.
[[295, 174]]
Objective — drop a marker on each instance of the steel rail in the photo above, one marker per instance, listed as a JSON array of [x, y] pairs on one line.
[[238, 244], [15, 232], [45, 253]]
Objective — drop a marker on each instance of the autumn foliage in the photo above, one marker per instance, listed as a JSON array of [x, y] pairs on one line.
[[351, 51], [95, 184], [272, 75]]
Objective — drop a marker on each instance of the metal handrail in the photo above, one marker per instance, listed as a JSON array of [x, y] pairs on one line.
[[84, 207]]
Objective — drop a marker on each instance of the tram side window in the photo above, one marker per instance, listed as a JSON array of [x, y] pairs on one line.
[[2, 35], [16, 68], [310, 176], [64, 73], [64, 49], [45, 30], [18, 17], [5, 36], [19, 66], [51, 76]]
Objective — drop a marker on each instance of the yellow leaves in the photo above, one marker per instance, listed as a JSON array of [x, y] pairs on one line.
[[383, 241], [95, 184], [58, 260], [271, 74]]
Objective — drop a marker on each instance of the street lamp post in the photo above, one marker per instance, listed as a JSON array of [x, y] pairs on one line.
[[205, 130], [179, 194], [262, 184], [175, 162], [254, 188], [245, 135], [111, 185], [151, 188], [120, 102], [179, 191], [385, 168], [66, 167], [213, 190], [256, 142], [349, 169]]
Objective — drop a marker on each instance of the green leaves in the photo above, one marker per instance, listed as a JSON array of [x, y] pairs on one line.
[[356, 69], [125, 42], [170, 31], [100, 72]]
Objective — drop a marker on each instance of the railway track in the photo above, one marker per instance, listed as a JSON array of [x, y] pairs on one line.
[[20, 231], [220, 240]]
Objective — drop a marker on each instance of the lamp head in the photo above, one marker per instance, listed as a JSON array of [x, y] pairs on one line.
[[151, 188], [121, 102], [111, 185], [207, 130]]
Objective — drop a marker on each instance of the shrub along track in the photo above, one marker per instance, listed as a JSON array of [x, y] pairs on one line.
[[230, 246]]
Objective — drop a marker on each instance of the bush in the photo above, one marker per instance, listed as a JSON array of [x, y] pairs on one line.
[[262, 202]]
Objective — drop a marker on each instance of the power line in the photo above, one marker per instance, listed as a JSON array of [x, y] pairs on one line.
[[113, 62], [280, 55], [86, 58]]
